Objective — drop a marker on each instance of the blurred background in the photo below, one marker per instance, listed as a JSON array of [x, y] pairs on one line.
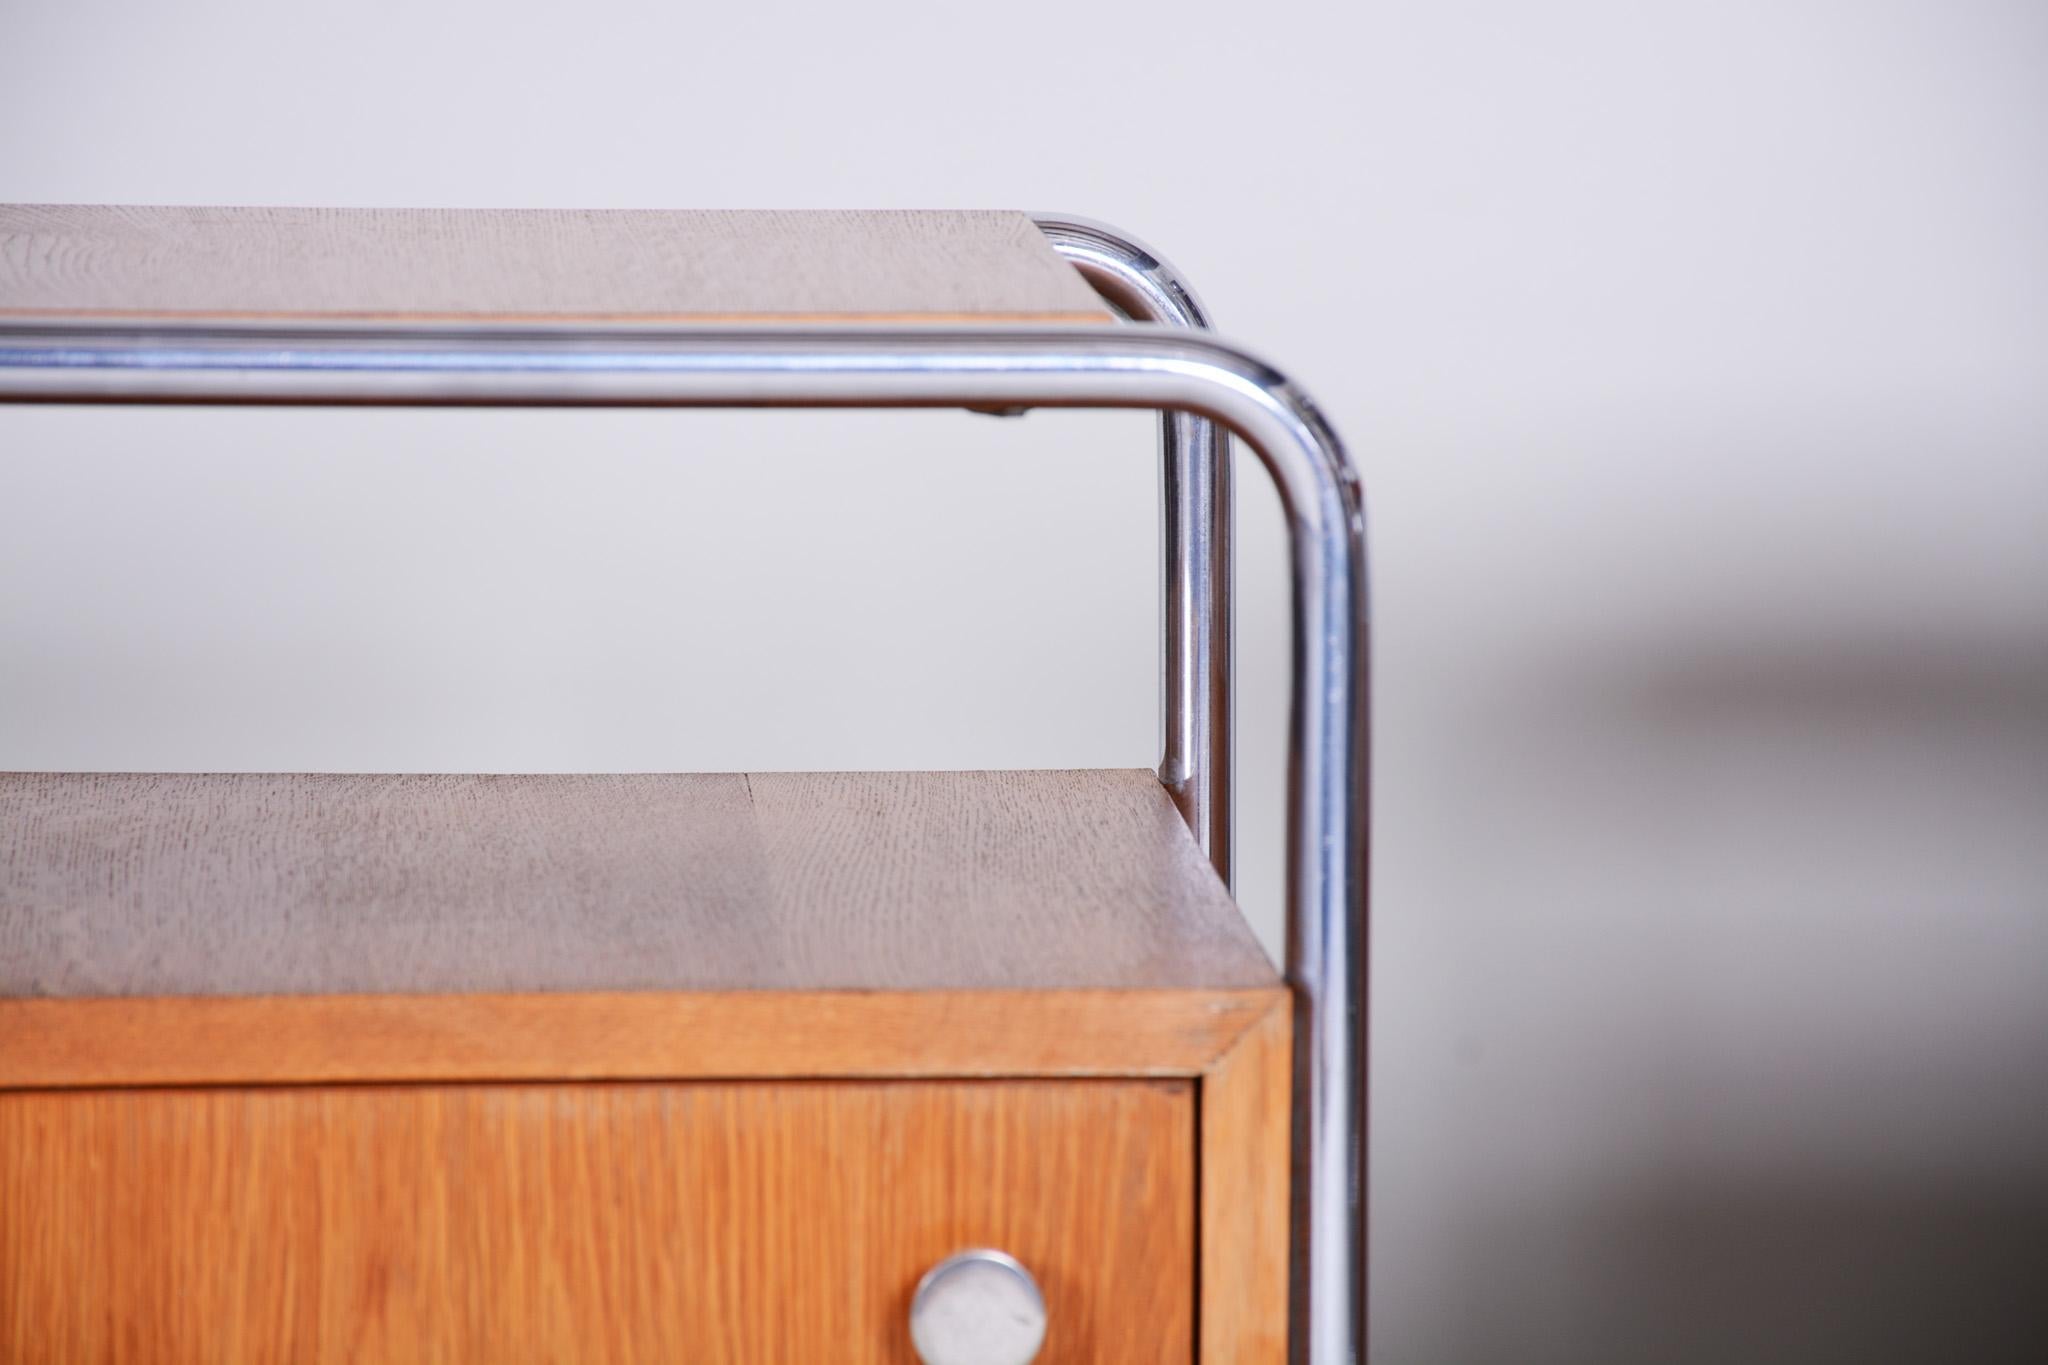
[[1695, 355]]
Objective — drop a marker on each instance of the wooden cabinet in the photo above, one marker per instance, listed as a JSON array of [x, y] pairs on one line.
[[633, 1068]]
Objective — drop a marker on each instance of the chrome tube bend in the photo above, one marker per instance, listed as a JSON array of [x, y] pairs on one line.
[[1139, 366], [1197, 761], [1328, 790]]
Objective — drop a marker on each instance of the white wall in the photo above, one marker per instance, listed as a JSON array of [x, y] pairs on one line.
[[1696, 357]]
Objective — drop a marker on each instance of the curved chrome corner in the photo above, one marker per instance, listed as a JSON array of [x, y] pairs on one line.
[[1141, 284], [1196, 765], [1140, 366], [1328, 749]]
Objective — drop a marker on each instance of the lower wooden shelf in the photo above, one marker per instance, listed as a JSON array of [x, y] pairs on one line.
[[701, 1067]]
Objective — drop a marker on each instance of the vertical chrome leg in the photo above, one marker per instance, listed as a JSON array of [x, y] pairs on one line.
[[1195, 536], [1326, 901], [1326, 766]]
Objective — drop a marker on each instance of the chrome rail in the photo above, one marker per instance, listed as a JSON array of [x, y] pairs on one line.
[[1196, 766], [1138, 366]]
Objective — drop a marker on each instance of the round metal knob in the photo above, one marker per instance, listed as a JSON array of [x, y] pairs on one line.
[[978, 1307]]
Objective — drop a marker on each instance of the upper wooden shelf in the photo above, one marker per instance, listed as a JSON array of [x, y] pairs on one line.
[[238, 885], [80, 261]]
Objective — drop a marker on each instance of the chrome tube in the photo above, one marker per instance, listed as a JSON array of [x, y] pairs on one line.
[[1141, 365], [1196, 766]]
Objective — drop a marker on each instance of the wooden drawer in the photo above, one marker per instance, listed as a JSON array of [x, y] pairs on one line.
[[752, 1221]]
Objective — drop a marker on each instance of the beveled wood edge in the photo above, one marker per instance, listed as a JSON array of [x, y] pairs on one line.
[[1242, 1228], [714, 1035]]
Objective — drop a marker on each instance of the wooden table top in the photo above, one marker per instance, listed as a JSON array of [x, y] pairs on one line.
[[533, 265]]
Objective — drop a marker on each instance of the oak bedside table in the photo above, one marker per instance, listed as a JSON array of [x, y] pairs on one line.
[[973, 1068]]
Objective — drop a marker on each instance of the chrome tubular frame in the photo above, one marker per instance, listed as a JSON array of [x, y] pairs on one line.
[[1196, 768], [1137, 366]]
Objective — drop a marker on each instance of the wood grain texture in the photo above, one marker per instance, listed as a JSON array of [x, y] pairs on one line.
[[59, 260], [714, 1223], [743, 1034], [240, 884], [1246, 1120]]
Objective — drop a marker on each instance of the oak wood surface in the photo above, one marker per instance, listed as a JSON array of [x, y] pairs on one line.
[[708, 1222], [251, 884], [66, 260], [1245, 1141]]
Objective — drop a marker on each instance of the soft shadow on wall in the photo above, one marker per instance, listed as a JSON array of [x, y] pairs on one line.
[[1796, 1113]]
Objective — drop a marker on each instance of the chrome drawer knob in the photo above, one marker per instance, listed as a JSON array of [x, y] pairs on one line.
[[977, 1307]]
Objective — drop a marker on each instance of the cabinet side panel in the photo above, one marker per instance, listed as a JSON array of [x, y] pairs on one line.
[[1245, 1127]]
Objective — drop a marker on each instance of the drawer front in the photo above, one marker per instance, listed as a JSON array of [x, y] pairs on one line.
[[751, 1221]]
